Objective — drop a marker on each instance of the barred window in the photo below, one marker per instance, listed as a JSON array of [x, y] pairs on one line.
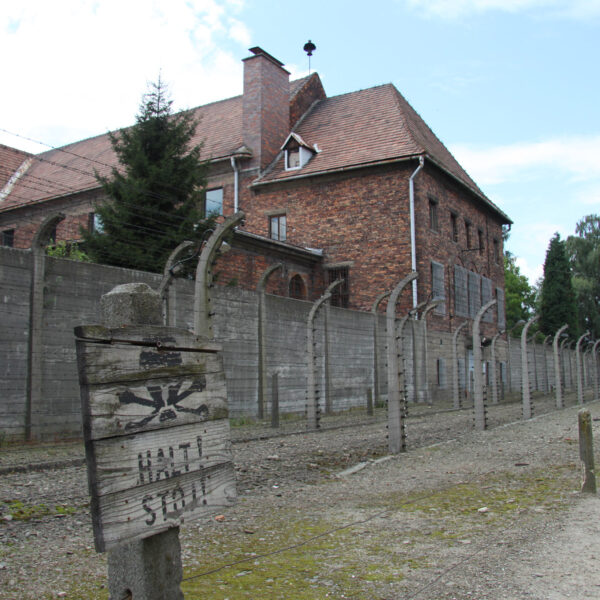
[[500, 308], [438, 289], [8, 238], [341, 294], [461, 301], [474, 294], [486, 296]]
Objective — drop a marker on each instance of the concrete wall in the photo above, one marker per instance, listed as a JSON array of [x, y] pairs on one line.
[[71, 297]]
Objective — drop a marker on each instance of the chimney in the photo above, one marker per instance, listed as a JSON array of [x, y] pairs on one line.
[[266, 106]]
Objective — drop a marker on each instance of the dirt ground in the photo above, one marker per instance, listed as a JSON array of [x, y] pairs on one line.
[[493, 515]]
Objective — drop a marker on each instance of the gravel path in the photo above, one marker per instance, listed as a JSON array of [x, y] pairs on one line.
[[487, 515]]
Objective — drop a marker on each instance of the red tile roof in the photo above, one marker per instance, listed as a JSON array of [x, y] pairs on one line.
[[10, 160]]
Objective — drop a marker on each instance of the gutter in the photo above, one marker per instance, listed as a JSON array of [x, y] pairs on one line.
[[413, 245], [236, 180]]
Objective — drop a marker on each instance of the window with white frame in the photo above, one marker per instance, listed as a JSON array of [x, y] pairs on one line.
[[278, 227]]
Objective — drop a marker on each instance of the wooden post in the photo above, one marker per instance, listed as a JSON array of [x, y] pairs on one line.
[[157, 440], [275, 402], [370, 402], [586, 451]]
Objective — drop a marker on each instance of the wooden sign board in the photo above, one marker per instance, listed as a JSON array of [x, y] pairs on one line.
[[156, 429]]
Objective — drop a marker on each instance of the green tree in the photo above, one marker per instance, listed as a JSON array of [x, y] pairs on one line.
[[520, 296], [557, 299], [583, 250], [155, 196]]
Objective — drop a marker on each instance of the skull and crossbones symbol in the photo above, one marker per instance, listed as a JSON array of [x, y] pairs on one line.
[[164, 399]]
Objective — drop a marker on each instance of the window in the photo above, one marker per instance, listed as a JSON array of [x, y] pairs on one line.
[[278, 227], [293, 158], [461, 302], [474, 293], [297, 289], [95, 222], [433, 214], [454, 227], [296, 152], [468, 232], [438, 290], [500, 308], [486, 296], [8, 238], [480, 240], [496, 251], [341, 294], [214, 202]]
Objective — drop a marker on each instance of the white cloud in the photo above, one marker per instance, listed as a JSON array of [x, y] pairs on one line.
[[577, 157], [532, 272], [81, 66], [453, 9]]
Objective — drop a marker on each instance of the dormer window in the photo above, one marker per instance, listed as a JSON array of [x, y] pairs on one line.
[[296, 152]]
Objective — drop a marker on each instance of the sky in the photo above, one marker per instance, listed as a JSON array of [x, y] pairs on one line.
[[510, 86]]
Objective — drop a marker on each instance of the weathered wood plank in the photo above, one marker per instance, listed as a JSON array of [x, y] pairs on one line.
[[131, 461], [111, 363], [167, 337], [147, 510], [112, 410]]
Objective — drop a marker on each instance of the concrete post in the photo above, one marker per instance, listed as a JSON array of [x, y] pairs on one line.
[[526, 392], [36, 312], [570, 355], [456, 398], [275, 402], [586, 451], [369, 402], [586, 364], [509, 358], [494, 371], [150, 568], [312, 401], [547, 384], [376, 337], [557, 368], [410, 388], [202, 312], [536, 386], [396, 430], [563, 362], [169, 273], [595, 369], [578, 365], [262, 339], [326, 364], [480, 416], [423, 387]]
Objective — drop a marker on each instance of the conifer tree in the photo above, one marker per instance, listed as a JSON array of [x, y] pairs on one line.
[[155, 195], [557, 300]]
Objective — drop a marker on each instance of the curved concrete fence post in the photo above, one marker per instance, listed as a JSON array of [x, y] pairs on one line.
[[480, 416], [202, 313], [586, 364], [494, 370], [396, 431], [526, 392], [261, 395], [595, 369], [421, 361], [376, 337], [169, 273], [456, 397], [509, 357], [557, 367], [547, 384], [35, 343], [578, 365], [313, 415], [563, 350]]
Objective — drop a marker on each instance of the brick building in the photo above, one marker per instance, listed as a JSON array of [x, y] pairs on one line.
[[355, 185]]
